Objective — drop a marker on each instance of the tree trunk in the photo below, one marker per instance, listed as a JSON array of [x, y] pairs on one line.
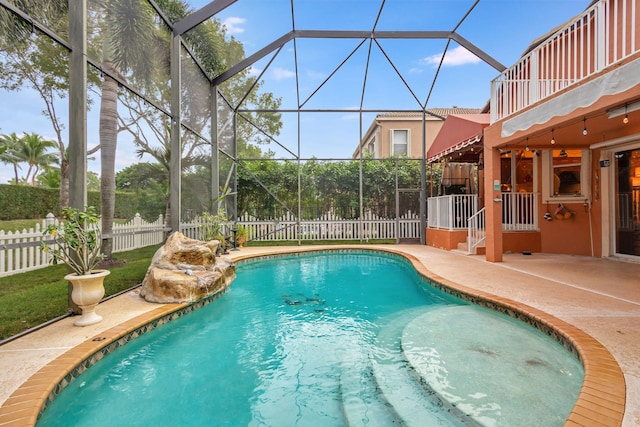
[[64, 184], [108, 143], [167, 212]]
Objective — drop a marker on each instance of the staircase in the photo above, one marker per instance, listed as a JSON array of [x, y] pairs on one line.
[[474, 245], [459, 366], [463, 247], [384, 389]]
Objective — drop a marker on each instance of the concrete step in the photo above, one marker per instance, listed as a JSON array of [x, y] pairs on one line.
[[489, 369], [464, 247], [409, 401], [360, 398]]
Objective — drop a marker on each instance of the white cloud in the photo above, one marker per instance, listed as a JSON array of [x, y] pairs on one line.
[[281, 73], [316, 75], [254, 72], [454, 57], [233, 25], [350, 116]]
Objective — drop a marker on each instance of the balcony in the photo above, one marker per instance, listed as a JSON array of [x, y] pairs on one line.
[[605, 34], [452, 212]]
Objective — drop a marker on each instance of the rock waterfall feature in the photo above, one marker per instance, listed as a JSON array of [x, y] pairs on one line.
[[185, 270]]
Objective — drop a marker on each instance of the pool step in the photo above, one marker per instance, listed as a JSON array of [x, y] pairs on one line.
[[490, 369], [412, 404], [361, 403]]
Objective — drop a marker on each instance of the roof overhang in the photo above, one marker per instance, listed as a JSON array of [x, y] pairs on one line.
[[460, 139]]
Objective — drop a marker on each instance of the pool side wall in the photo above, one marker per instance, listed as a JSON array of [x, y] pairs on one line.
[[601, 401]]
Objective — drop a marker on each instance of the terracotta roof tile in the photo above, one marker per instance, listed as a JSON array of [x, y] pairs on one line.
[[444, 112]]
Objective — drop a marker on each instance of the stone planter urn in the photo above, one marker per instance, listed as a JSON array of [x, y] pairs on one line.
[[87, 292]]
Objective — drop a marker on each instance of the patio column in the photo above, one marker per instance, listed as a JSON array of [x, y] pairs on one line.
[[175, 165], [78, 105], [493, 205]]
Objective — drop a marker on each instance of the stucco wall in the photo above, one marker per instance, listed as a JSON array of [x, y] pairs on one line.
[[415, 135], [445, 239], [521, 241]]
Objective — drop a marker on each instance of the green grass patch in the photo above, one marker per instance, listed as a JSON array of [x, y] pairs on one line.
[[19, 224], [29, 299]]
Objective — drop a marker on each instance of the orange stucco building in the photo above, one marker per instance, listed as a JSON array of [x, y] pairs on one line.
[[565, 126]]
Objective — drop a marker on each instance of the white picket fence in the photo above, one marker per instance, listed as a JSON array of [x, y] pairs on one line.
[[138, 233], [332, 227], [20, 250], [327, 227]]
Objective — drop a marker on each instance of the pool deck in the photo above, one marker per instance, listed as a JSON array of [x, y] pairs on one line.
[[599, 297]]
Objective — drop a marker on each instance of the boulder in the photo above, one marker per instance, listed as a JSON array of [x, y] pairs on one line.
[[185, 270]]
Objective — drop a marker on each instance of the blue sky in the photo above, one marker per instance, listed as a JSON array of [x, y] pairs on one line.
[[501, 28]]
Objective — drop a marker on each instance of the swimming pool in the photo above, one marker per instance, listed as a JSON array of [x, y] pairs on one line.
[[323, 339]]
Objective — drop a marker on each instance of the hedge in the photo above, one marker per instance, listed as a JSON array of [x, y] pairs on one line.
[[25, 202]]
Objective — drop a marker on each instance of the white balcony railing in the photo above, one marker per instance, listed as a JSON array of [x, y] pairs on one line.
[[519, 211], [603, 35], [451, 212]]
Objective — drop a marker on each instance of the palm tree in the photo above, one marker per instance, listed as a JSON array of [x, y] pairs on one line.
[[162, 154], [137, 51], [50, 177], [31, 60], [128, 36], [10, 144], [32, 149]]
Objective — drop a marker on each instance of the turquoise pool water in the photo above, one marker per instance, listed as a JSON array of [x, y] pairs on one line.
[[328, 339]]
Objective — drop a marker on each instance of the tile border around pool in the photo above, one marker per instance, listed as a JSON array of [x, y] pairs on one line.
[[601, 401]]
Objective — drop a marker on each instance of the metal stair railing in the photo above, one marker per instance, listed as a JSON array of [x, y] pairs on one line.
[[476, 233]]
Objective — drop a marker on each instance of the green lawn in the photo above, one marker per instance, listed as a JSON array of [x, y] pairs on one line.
[[19, 224], [29, 299]]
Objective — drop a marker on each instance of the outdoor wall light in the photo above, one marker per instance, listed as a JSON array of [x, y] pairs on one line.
[[624, 110], [626, 116], [563, 153]]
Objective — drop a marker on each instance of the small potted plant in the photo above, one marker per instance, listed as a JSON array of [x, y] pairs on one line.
[[213, 229], [242, 235], [76, 241]]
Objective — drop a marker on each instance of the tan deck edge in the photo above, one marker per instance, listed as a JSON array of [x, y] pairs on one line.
[[601, 401]]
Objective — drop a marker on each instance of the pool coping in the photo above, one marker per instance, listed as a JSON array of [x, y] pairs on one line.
[[601, 401]]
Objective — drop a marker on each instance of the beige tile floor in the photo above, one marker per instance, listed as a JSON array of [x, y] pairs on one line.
[[599, 297]]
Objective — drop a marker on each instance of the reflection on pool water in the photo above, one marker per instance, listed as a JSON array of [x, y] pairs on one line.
[[329, 339]]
